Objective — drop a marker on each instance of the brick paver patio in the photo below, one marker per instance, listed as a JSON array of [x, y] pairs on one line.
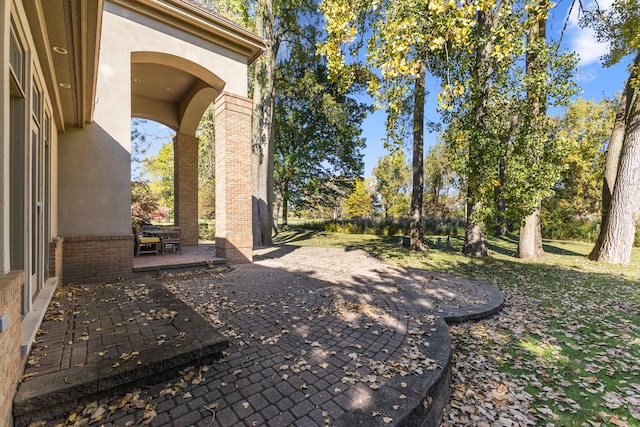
[[318, 337]]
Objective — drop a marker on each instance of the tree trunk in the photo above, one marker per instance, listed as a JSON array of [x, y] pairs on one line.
[[276, 210], [619, 230], [475, 241], [501, 204], [416, 235], [285, 205], [530, 243], [263, 130], [613, 157]]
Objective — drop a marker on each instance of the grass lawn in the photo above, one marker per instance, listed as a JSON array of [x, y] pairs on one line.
[[564, 351]]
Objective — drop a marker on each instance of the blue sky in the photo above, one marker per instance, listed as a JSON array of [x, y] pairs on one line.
[[595, 81]]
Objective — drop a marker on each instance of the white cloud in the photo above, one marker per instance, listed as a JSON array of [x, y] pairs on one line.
[[583, 40], [589, 50], [586, 76]]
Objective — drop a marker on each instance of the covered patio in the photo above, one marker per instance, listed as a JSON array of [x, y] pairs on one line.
[[73, 75], [201, 255], [164, 60]]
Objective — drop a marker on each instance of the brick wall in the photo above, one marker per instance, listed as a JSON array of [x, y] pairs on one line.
[[185, 152], [10, 362], [55, 257], [234, 236], [88, 259]]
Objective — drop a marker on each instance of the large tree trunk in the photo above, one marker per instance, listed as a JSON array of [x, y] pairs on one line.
[[505, 140], [619, 230], [530, 243], [416, 235], [475, 241], [613, 158], [263, 129]]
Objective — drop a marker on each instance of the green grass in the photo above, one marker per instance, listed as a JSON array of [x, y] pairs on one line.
[[569, 334]]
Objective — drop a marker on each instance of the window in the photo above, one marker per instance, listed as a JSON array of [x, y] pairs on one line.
[[36, 103], [17, 151], [16, 63]]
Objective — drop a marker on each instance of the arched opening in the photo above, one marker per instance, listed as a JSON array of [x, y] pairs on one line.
[[171, 90], [176, 93], [152, 174]]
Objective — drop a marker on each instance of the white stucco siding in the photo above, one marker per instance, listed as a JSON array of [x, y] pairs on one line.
[[145, 34], [94, 184], [124, 32], [53, 182], [113, 88], [94, 163]]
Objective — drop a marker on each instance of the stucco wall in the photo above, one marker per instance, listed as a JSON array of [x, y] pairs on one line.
[[94, 164], [125, 31], [141, 33], [94, 193], [53, 181]]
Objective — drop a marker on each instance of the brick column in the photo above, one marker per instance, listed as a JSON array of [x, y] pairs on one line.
[[234, 236], [185, 187], [10, 342]]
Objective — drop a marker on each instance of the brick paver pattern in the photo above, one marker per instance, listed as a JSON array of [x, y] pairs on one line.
[[315, 333]]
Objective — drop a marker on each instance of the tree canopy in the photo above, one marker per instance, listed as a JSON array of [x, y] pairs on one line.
[[392, 177]]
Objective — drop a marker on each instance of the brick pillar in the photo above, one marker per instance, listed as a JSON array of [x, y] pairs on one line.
[[10, 342], [185, 187], [234, 236]]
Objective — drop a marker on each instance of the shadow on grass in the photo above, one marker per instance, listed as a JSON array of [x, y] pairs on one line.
[[556, 250], [505, 245], [300, 234]]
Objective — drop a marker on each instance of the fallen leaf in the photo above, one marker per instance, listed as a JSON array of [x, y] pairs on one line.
[[149, 414]]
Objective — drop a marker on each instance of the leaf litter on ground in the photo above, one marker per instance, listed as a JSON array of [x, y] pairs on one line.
[[564, 351]]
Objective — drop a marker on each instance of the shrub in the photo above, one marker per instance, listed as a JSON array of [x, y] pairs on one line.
[[583, 229], [206, 231], [388, 226]]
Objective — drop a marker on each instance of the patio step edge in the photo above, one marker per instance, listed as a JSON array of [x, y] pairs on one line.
[[53, 395], [194, 264]]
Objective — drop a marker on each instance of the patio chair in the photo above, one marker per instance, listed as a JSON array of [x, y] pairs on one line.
[[148, 229], [171, 238], [145, 245]]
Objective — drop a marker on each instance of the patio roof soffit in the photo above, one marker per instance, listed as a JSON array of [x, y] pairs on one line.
[[187, 17], [67, 38]]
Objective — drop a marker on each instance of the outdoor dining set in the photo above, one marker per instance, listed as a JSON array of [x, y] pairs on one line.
[[153, 239]]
